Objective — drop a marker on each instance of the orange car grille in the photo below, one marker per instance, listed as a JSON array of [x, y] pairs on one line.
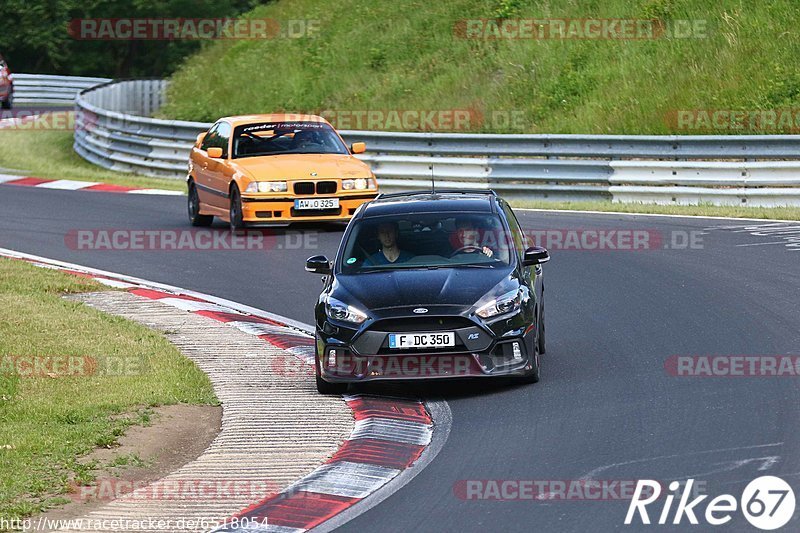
[[309, 187]]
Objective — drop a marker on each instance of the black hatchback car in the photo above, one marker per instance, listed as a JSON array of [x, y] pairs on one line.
[[430, 285]]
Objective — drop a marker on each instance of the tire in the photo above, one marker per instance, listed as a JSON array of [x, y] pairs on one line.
[[235, 210], [193, 204], [324, 387], [541, 325]]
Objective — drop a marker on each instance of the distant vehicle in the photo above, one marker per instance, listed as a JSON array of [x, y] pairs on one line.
[[6, 85], [430, 285], [275, 169]]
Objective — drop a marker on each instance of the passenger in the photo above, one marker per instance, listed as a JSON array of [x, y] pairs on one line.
[[390, 252], [468, 239]]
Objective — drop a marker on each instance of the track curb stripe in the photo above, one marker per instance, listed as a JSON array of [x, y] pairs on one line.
[[389, 434], [76, 185], [378, 449]]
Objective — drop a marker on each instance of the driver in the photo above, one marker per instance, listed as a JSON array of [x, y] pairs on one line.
[[468, 238], [390, 252]]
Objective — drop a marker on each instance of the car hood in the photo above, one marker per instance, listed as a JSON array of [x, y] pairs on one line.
[[303, 166], [458, 289]]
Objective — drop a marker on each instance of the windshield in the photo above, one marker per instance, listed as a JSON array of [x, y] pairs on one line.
[[430, 240], [275, 138]]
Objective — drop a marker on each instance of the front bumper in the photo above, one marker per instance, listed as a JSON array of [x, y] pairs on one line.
[[504, 349], [267, 210]]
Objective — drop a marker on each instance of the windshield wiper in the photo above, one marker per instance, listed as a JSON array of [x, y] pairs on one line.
[[476, 265]]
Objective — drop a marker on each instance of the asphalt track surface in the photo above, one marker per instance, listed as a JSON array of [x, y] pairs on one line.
[[606, 408]]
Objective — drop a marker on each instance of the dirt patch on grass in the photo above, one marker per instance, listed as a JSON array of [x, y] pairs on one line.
[[177, 435]]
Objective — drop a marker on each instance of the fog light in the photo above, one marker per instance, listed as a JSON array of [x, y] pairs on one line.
[[516, 350], [331, 358]]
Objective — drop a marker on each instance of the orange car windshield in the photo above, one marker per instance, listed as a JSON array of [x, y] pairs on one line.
[[277, 138]]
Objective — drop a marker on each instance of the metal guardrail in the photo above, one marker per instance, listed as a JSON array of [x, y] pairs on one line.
[[113, 130], [51, 90]]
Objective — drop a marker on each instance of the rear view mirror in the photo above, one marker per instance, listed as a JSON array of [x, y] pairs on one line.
[[215, 152], [358, 148], [535, 255], [318, 264], [200, 138]]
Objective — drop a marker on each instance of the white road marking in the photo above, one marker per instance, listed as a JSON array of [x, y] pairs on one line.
[[156, 192], [343, 478], [191, 305], [66, 185], [393, 430], [115, 283], [590, 476], [789, 232]]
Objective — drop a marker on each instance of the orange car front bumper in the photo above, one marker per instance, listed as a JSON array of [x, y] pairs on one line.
[[257, 210]]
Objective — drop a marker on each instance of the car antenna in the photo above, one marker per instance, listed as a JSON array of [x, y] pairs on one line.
[[433, 181]]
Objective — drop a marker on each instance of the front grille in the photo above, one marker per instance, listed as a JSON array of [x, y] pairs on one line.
[[326, 187], [304, 187], [434, 323]]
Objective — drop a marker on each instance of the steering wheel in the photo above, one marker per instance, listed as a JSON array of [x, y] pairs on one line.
[[464, 249]]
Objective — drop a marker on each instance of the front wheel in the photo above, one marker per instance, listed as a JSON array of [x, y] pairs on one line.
[[236, 216], [195, 218], [541, 331]]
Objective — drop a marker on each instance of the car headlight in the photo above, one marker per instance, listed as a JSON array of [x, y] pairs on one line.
[[507, 303], [266, 186], [337, 310], [358, 184]]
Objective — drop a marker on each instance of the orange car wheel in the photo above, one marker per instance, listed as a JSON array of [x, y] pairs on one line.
[[195, 217], [235, 215]]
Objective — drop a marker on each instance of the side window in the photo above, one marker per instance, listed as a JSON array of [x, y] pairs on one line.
[[217, 137], [223, 137], [212, 133], [516, 231]]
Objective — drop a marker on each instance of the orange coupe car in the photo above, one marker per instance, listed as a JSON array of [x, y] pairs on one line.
[[275, 169]]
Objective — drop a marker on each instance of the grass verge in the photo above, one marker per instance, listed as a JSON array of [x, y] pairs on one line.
[[49, 154], [706, 210], [72, 379], [412, 55]]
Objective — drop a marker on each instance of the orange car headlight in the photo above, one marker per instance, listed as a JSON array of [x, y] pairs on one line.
[[358, 184], [266, 186]]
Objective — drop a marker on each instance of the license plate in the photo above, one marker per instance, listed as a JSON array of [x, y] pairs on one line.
[[401, 341], [316, 203]]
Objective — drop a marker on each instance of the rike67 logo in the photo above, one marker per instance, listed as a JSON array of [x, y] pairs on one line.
[[767, 502]]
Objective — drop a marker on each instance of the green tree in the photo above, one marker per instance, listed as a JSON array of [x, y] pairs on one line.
[[36, 38]]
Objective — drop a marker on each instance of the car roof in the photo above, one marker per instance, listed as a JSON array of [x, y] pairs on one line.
[[240, 120], [431, 202]]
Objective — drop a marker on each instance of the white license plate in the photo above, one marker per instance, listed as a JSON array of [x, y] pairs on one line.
[[316, 203], [401, 341]]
